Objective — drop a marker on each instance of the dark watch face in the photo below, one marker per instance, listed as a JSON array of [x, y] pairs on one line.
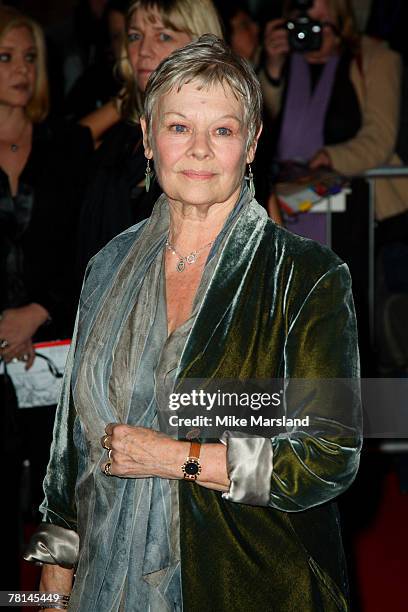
[[191, 469]]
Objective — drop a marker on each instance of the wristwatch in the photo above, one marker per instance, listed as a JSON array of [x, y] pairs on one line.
[[192, 466]]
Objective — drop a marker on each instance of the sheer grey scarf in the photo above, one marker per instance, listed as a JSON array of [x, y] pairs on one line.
[[115, 515]]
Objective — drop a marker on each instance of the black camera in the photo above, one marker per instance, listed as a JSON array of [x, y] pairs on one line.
[[305, 34]]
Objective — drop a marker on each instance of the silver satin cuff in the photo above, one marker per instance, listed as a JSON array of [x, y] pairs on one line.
[[249, 467], [54, 545]]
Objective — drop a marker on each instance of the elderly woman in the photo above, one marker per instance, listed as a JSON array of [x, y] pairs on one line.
[[208, 287]]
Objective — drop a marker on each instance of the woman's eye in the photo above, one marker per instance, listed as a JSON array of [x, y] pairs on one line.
[[31, 58], [163, 37], [223, 131], [134, 37], [5, 57], [178, 128]]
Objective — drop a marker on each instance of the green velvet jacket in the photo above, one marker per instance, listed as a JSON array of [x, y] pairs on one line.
[[277, 306]]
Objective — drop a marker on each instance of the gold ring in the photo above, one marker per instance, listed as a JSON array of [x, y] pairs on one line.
[[107, 469], [110, 455], [104, 442]]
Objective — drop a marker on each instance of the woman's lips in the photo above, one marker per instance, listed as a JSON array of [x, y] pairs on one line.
[[21, 86], [198, 175]]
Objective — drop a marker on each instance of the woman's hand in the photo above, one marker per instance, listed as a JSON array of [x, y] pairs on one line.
[[23, 352], [138, 452], [320, 160], [17, 327], [330, 46], [276, 47]]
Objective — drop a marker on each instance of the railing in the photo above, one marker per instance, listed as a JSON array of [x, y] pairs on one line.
[[386, 172]]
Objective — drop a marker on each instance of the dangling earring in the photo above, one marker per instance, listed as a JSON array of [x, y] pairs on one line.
[[148, 176], [250, 179]]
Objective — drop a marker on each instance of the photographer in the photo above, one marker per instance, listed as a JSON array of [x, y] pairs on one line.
[[334, 99], [355, 118]]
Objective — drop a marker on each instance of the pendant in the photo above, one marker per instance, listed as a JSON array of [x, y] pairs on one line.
[[14, 148], [191, 258], [181, 266]]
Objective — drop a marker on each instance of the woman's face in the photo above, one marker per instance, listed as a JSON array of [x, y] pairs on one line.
[[199, 145], [149, 42], [18, 69]]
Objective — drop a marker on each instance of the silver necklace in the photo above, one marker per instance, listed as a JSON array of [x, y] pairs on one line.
[[187, 259]]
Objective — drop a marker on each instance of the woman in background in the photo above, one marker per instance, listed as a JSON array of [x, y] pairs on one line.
[[40, 169], [241, 30], [115, 197]]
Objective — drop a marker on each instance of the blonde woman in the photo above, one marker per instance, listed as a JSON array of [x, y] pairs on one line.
[[40, 168], [115, 197], [186, 20], [23, 103]]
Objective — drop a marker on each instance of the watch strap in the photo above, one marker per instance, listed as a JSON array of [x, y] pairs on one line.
[[195, 448]]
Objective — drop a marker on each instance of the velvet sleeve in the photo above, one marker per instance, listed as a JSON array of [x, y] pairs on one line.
[[59, 505], [56, 540], [315, 465], [309, 466]]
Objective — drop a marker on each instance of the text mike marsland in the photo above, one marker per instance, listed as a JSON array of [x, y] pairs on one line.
[[233, 421]]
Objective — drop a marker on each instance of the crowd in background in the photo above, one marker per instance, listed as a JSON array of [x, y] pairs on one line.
[[73, 172]]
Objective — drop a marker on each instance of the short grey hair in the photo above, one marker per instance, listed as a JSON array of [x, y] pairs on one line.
[[209, 61]]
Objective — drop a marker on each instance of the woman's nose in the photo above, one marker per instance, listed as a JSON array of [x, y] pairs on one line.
[[20, 65], [200, 145], [147, 47]]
